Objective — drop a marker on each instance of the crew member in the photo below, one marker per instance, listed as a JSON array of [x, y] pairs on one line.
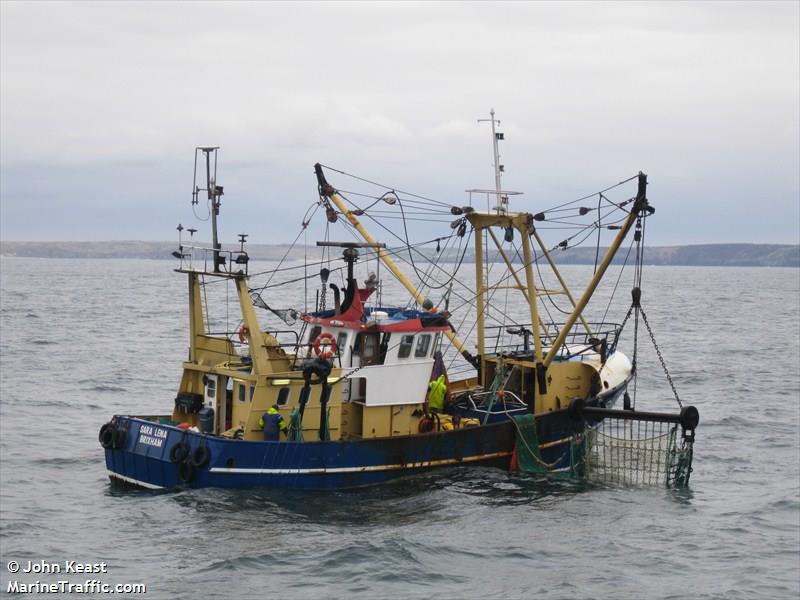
[[429, 306], [273, 423], [437, 391]]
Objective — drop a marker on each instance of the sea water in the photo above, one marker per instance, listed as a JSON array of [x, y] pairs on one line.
[[82, 340]]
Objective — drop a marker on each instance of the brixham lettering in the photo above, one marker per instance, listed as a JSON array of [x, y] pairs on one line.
[[152, 436]]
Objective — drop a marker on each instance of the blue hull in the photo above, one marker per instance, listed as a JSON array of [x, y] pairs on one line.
[[144, 455]]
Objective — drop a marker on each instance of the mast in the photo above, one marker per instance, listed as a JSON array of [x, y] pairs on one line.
[[328, 191], [498, 168], [214, 191], [237, 271]]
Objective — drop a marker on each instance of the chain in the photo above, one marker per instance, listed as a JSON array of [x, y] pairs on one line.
[[350, 374], [622, 326], [357, 369], [660, 358]]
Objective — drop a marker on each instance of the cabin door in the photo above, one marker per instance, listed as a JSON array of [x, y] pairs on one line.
[[370, 348], [225, 405], [368, 345], [211, 391], [241, 404], [212, 394]]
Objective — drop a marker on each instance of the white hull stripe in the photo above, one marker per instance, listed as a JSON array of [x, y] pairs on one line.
[[365, 469], [133, 481]]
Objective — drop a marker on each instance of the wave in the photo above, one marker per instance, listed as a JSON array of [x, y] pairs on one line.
[[105, 388]]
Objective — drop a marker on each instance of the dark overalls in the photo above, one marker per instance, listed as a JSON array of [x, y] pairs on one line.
[[273, 422]]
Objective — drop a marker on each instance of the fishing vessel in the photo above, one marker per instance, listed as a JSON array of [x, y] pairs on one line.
[[366, 391]]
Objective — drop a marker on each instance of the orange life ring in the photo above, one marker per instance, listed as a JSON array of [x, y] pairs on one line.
[[331, 348], [243, 333]]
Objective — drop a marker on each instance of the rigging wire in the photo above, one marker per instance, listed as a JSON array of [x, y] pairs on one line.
[[198, 217], [295, 280], [291, 246], [305, 270], [399, 255], [588, 229], [623, 182], [415, 204], [386, 187], [405, 241], [427, 277], [619, 277], [599, 231], [440, 254], [548, 296]]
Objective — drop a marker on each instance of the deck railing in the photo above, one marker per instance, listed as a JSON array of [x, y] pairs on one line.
[[518, 339], [200, 259]]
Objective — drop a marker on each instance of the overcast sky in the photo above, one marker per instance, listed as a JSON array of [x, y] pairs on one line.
[[102, 104]]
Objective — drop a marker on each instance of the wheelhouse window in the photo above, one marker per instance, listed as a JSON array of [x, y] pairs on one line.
[[211, 387], [242, 392], [406, 342], [370, 346], [423, 344], [341, 342], [367, 345]]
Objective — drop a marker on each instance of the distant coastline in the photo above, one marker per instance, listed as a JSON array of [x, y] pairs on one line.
[[710, 255]]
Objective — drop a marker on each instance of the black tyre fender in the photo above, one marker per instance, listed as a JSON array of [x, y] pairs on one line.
[[179, 452], [201, 457], [119, 438], [106, 436], [102, 431], [186, 471]]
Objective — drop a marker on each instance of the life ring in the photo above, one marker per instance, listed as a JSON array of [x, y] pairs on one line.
[[243, 333], [331, 348]]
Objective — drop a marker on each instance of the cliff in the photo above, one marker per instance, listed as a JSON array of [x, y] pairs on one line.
[[712, 255]]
